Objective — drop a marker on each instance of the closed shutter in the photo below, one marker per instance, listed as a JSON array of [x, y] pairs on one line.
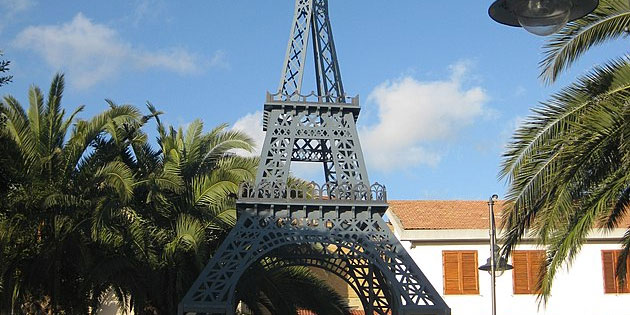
[[536, 260], [520, 274], [626, 285], [608, 266], [460, 272], [470, 282], [528, 266], [450, 261], [609, 269]]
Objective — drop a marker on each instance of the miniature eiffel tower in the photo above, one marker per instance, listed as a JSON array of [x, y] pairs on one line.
[[337, 226]]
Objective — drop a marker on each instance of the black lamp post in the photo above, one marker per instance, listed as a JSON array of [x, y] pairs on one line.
[[540, 17], [493, 265]]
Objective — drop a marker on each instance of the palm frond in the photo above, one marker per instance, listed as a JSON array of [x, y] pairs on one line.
[[117, 176], [609, 21], [566, 168], [189, 236]]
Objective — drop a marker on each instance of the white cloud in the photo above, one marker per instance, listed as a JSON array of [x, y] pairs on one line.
[[176, 60], [92, 52], [11, 8], [148, 10], [251, 124], [219, 60], [413, 116]]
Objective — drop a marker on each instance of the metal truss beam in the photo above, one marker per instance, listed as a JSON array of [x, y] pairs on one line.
[[398, 286], [337, 226]]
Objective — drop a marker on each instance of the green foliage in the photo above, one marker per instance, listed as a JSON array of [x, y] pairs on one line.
[[89, 208], [568, 164], [4, 67], [610, 20]]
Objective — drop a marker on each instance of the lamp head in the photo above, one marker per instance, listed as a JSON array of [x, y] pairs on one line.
[[500, 265], [540, 17]]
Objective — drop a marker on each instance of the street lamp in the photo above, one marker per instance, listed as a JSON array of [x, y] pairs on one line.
[[500, 266], [540, 17], [493, 266]]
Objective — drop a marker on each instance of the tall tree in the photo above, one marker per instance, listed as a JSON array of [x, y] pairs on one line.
[[4, 67], [568, 165], [98, 210], [186, 191], [44, 210]]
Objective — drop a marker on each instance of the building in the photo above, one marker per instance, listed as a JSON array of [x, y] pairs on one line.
[[449, 240]]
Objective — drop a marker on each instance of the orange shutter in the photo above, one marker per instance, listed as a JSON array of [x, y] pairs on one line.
[[536, 261], [608, 268], [609, 271], [520, 274], [470, 281], [626, 285], [450, 261], [528, 268], [460, 272]]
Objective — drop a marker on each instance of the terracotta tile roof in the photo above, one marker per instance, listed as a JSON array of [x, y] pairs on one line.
[[451, 214], [443, 214]]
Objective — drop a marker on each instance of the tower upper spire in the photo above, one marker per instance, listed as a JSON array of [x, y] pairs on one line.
[[311, 19]]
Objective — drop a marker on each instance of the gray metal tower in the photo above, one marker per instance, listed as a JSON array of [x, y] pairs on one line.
[[336, 226]]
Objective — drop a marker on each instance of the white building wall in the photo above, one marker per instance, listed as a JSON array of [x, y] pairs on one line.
[[577, 292]]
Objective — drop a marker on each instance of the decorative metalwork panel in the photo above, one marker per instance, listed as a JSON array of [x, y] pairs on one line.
[[295, 58], [402, 285], [336, 226], [367, 282], [312, 192], [327, 71], [312, 135]]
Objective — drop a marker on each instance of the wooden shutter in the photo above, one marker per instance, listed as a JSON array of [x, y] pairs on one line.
[[450, 261], [460, 272], [626, 285], [470, 281], [536, 262], [609, 269], [608, 266], [527, 270], [520, 274]]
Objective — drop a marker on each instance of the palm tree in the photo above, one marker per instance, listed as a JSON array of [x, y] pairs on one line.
[[100, 211], [568, 165], [188, 196], [45, 208], [4, 67]]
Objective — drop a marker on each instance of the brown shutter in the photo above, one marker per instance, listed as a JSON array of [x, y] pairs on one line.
[[626, 286], [470, 281], [536, 261], [608, 270], [450, 261], [520, 273]]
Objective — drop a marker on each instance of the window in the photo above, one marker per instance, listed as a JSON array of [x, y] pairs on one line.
[[528, 266], [460, 272], [609, 267]]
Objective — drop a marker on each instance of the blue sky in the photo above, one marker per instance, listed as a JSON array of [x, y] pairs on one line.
[[442, 86]]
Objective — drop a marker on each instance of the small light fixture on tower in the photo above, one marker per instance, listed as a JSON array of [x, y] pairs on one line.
[[540, 17]]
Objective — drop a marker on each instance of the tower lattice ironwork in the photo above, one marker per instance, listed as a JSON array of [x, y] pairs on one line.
[[336, 226]]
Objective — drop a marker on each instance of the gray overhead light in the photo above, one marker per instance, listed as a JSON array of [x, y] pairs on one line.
[[540, 17]]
